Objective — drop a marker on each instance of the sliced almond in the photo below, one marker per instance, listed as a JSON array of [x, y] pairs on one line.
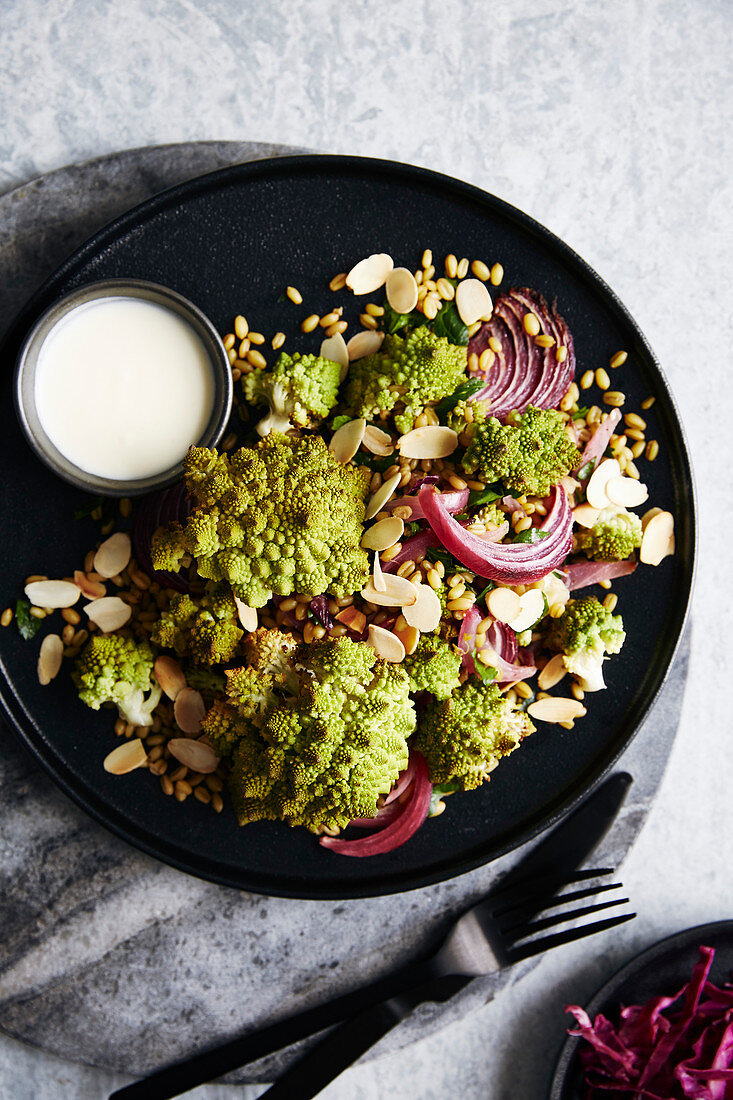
[[531, 608], [196, 755], [50, 658], [377, 441], [596, 489], [247, 615], [503, 603], [649, 514], [125, 758], [401, 290], [383, 534], [556, 710], [657, 542], [346, 441], [188, 710], [377, 575], [109, 613], [364, 343], [430, 441], [585, 516], [398, 592], [92, 589], [52, 593], [425, 613], [382, 495], [473, 301], [626, 492], [386, 644], [369, 274], [169, 675], [409, 636], [334, 348], [113, 555], [552, 673], [352, 618]]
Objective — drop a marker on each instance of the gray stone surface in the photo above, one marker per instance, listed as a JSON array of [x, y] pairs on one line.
[[608, 123]]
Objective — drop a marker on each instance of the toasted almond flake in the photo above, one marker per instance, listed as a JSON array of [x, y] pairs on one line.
[[596, 489], [247, 615], [382, 495], [125, 758], [429, 441], [196, 755], [113, 555], [532, 608], [657, 542], [169, 675], [364, 343], [585, 516], [93, 590], [401, 290], [626, 492], [383, 534], [473, 301], [109, 613], [503, 603], [556, 709], [352, 618], [346, 441], [649, 514], [386, 644], [377, 441], [409, 636], [552, 673], [52, 594], [188, 710], [398, 592], [334, 348], [50, 658], [425, 613], [377, 574], [369, 274]]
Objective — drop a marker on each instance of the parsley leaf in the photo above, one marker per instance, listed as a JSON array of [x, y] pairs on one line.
[[477, 497], [532, 534], [27, 624], [463, 392]]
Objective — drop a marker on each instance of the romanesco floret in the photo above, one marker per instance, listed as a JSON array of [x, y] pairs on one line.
[[284, 516], [490, 515], [317, 742], [205, 628], [113, 669], [465, 414], [407, 372], [434, 666], [584, 634], [529, 454], [614, 536], [300, 390], [465, 737]]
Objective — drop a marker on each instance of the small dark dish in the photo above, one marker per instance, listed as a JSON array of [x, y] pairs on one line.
[[233, 241], [661, 969]]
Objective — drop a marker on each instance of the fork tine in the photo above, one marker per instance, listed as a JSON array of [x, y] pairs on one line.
[[546, 943], [516, 912], [532, 889], [523, 930]]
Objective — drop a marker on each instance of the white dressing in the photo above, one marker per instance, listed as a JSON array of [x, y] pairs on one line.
[[123, 387]]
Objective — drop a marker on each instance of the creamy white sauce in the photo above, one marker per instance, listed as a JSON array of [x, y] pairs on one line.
[[123, 387]]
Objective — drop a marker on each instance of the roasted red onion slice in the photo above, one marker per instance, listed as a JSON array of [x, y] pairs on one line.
[[583, 573], [412, 548], [503, 640], [598, 442], [522, 373], [454, 501], [467, 637], [517, 563]]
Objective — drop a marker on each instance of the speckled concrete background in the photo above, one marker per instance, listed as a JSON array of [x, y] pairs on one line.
[[608, 123]]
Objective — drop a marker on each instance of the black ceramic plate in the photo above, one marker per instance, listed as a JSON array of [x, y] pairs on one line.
[[231, 242], [660, 970]]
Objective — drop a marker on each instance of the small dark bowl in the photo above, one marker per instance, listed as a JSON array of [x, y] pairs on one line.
[[25, 371]]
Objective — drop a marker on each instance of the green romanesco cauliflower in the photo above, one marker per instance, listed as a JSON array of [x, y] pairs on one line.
[[205, 628], [465, 414], [284, 516], [584, 634], [407, 373], [528, 454], [315, 733], [434, 666], [614, 536], [465, 737], [490, 515], [300, 390], [113, 669]]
